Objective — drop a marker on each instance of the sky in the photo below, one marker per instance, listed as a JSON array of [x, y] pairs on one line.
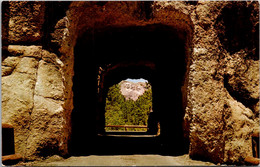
[[136, 80]]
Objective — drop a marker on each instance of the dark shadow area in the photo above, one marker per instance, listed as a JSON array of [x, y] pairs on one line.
[[7, 140], [120, 145], [234, 39], [54, 12], [153, 52], [242, 94], [5, 23]]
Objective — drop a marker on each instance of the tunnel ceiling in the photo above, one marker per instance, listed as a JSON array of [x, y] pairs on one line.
[[133, 44], [134, 51]]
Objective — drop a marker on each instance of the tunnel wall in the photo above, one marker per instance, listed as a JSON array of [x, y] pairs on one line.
[[220, 90]]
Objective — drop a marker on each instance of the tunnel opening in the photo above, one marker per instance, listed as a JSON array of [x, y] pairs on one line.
[[128, 105], [106, 56], [118, 73]]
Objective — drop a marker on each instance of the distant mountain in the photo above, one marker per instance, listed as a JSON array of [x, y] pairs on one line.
[[131, 90]]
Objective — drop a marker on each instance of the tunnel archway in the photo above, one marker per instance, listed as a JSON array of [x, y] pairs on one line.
[[104, 56], [117, 73]]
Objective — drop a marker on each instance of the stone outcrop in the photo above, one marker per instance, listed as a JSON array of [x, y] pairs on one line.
[[33, 91], [25, 22], [18, 83], [220, 89]]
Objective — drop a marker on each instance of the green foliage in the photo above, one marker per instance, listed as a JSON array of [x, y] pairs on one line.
[[120, 111]]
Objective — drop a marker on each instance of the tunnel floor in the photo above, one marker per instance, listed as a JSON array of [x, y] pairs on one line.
[[120, 160], [126, 143]]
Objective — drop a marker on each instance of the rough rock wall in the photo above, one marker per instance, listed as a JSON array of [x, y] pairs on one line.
[[241, 76], [222, 80], [33, 84], [206, 95], [33, 98], [25, 22]]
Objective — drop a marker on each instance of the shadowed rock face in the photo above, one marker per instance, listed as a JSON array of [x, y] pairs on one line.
[[59, 57]]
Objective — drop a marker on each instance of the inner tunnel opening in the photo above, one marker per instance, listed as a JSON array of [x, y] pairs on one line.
[[128, 106], [106, 56]]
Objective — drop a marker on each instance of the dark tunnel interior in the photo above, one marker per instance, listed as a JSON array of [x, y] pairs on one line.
[[154, 52]]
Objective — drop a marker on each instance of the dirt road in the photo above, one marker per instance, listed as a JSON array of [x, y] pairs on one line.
[[122, 160]]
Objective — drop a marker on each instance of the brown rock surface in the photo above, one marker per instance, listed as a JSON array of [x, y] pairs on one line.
[[32, 86], [239, 127], [17, 98], [47, 125], [49, 81], [26, 21]]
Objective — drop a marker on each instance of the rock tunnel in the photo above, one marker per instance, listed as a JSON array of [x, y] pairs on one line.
[[153, 52], [60, 58]]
